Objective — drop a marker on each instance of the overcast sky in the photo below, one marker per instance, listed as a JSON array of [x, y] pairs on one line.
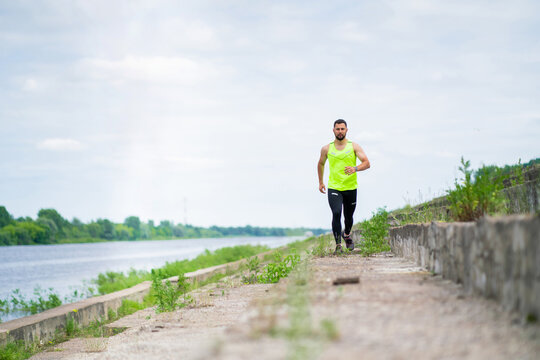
[[151, 108]]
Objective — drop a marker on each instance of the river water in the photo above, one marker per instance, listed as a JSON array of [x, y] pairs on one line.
[[68, 267]]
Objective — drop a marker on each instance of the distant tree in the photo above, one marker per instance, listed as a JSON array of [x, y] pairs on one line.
[[18, 234], [107, 229], [165, 228], [144, 231], [135, 223], [122, 232], [166, 223], [6, 238], [5, 217], [53, 215], [77, 223], [94, 230], [37, 234], [178, 231], [50, 227]]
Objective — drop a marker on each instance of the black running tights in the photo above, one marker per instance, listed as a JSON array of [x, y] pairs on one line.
[[338, 200]]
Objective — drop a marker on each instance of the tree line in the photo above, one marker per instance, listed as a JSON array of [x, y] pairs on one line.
[[51, 228]]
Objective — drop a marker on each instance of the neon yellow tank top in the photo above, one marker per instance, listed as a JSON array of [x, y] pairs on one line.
[[338, 160]]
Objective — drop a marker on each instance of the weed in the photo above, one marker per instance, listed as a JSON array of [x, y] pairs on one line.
[[203, 300], [375, 232], [531, 318], [95, 329], [111, 315], [472, 199], [95, 345], [340, 291], [4, 306], [166, 295], [281, 267], [324, 246], [42, 301], [72, 327], [18, 350], [329, 329], [253, 265], [114, 281], [129, 307]]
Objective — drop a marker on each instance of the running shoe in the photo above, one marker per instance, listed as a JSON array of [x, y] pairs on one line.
[[348, 241], [338, 250]]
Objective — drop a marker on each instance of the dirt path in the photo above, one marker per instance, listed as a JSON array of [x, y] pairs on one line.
[[397, 311]]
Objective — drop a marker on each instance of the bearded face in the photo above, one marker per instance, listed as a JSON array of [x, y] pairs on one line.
[[340, 131]]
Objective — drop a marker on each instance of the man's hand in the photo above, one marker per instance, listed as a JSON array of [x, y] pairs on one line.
[[350, 170], [322, 188]]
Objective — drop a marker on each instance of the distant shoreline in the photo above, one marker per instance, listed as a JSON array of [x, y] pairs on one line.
[[99, 240]]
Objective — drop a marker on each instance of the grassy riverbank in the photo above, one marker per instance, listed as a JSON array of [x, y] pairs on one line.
[[110, 282], [113, 281]]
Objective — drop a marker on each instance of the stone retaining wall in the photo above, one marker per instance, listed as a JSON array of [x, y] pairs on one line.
[[43, 326], [496, 257]]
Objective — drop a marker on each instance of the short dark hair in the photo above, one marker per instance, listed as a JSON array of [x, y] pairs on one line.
[[340, 121]]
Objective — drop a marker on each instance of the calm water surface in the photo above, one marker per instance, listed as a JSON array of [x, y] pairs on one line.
[[66, 267]]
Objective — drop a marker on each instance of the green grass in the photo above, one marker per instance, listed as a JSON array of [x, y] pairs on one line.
[[324, 246], [477, 193], [473, 198], [375, 233], [18, 350], [279, 268], [115, 281]]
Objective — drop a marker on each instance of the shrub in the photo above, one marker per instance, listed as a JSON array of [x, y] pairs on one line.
[[375, 232], [280, 268], [166, 295], [473, 198], [253, 265]]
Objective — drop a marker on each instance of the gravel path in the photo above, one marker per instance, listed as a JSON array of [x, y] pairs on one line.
[[397, 311]]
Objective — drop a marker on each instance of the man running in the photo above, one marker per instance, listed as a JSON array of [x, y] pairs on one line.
[[341, 154]]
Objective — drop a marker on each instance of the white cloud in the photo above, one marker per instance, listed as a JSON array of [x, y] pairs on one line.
[[286, 65], [207, 99], [187, 33], [446, 154], [57, 144], [150, 69], [30, 84], [371, 136], [350, 31]]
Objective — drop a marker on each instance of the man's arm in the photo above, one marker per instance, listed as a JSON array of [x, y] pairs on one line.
[[320, 168], [360, 154]]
